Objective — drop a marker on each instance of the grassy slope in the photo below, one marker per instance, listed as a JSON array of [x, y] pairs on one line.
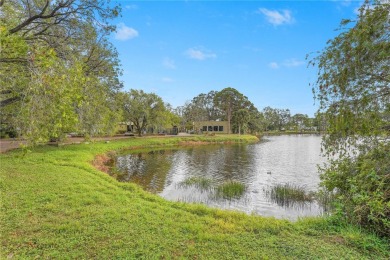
[[54, 204]]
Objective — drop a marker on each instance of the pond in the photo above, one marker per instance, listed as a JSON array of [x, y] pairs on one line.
[[195, 174]]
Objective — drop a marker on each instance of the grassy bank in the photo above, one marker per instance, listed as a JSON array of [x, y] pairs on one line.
[[55, 204]]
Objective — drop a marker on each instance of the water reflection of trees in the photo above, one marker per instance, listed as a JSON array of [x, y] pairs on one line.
[[148, 169], [151, 169]]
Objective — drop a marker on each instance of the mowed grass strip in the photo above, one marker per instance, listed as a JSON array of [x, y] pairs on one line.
[[55, 204]]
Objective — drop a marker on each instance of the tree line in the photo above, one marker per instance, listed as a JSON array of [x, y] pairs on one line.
[[243, 117]]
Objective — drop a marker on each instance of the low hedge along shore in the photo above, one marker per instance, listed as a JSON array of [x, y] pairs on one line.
[[56, 204]]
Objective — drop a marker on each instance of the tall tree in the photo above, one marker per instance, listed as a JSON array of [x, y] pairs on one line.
[[271, 118], [230, 100], [353, 89], [242, 118], [300, 121], [142, 109], [202, 108]]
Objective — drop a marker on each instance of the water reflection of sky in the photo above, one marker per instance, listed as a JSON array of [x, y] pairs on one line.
[[278, 160]]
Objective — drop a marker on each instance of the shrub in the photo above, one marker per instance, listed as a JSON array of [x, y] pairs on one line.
[[362, 188]]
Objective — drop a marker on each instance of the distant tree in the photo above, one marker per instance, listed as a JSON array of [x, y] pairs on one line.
[[300, 121], [167, 118], [320, 122], [202, 108], [284, 118], [271, 118], [256, 123], [230, 100], [142, 109], [241, 118], [353, 89]]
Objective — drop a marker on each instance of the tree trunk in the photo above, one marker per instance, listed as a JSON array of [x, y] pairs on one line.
[[229, 115]]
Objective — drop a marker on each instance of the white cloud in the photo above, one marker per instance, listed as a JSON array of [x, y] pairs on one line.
[[167, 80], [169, 64], [131, 7], [293, 63], [277, 18], [346, 2], [289, 63], [273, 65], [199, 54], [124, 33]]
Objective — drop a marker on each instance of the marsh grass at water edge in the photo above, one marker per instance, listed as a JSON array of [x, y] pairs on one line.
[[289, 194], [201, 183], [230, 190]]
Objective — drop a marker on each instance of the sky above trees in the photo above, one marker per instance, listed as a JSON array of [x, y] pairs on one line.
[[179, 49]]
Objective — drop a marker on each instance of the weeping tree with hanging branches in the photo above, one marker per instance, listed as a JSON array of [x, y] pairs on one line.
[[353, 90]]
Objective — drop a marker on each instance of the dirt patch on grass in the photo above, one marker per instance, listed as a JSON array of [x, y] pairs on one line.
[[102, 162], [336, 240]]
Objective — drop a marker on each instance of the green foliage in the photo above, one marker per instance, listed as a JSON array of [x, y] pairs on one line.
[[241, 118], [57, 68], [363, 188], [202, 108], [144, 109], [353, 89], [229, 100], [276, 119]]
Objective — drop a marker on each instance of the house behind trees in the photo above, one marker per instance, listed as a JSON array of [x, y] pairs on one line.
[[219, 127]]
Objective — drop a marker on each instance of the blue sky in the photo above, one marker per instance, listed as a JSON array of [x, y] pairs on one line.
[[179, 49]]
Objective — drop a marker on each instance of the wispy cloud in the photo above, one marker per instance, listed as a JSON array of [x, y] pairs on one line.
[[167, 80], [289, 63], [346, 2], [131, 7], [169, 64], [200, 54], [124, 32], [293, 63], [273, 65], [277, 17]]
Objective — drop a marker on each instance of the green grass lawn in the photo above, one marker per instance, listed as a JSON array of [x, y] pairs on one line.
[[55, 204]]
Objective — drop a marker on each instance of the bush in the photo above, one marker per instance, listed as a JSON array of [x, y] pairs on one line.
[[362, 186]]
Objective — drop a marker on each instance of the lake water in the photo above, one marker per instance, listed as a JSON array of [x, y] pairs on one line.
[[275, 160]]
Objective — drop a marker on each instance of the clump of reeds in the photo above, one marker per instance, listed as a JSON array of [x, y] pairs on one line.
[[289, 194], [325, 199], [198, 182], [230, 190]]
